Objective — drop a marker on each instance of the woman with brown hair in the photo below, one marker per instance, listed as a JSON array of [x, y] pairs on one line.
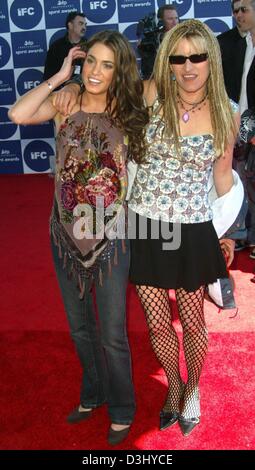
[[93, 145]]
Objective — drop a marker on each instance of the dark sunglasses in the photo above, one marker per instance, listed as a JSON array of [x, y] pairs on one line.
[[242, 9], [194, 58]]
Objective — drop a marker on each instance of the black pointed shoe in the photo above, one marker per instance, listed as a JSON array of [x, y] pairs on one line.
[[76, 416], [187, 425], [116, 437], [167, 419]]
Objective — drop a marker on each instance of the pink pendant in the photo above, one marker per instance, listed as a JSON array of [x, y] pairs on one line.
[[185, 117]]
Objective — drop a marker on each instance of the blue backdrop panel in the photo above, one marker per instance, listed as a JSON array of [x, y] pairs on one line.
[[27, 27]]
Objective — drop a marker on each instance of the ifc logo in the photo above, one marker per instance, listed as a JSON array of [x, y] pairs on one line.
[[182, 6], [26, 14], [37, 154], [28, 80], [99, 11]]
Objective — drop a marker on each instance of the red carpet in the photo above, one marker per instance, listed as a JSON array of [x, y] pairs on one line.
[[40, 372]]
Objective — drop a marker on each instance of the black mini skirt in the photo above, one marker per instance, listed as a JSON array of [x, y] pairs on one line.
[[189, 259]]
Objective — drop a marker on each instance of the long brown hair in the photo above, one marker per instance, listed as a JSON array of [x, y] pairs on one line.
[[222, 116], [125, 95]]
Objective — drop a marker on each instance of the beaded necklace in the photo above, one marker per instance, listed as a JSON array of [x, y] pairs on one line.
[[185, 117]]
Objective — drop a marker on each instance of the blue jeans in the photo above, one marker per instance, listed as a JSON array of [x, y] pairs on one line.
[[248, 180], [102, 345]]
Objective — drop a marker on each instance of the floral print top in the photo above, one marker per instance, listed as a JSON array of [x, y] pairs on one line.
[[91, 176], [173, 188]]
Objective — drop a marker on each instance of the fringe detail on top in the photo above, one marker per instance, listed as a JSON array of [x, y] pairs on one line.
[[74, 267], [100, 276], [81, 287], [70, 273]]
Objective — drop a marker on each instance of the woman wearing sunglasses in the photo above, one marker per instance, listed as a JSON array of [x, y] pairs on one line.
[[191, 133]]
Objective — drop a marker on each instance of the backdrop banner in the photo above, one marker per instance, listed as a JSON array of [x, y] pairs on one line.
[[27, 28]]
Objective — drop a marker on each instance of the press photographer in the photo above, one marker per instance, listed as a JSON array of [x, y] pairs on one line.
[[150, 33], [148, 41]]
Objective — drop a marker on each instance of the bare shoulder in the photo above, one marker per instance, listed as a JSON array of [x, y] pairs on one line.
[[150, 91]]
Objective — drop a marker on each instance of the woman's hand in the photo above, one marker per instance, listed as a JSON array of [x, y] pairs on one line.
[[227, 245], [68, 65], [65, 99]]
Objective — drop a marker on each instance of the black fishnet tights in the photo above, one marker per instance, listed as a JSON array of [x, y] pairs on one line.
[[165, 343]]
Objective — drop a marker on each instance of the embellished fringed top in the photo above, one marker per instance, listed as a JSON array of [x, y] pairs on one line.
[[90, 189]]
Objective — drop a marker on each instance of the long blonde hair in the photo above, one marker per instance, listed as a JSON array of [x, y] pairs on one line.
[[222, 116]]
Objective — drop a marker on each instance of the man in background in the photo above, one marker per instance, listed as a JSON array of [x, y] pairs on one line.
[[150, 34], [169, 15], [76, 28], [233, 47], [238, 59], [246, 167]]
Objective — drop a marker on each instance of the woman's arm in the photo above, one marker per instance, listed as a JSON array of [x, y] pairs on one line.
[[150, 92], [222, 172], [222, 168], [36, 106], [65, 99]]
